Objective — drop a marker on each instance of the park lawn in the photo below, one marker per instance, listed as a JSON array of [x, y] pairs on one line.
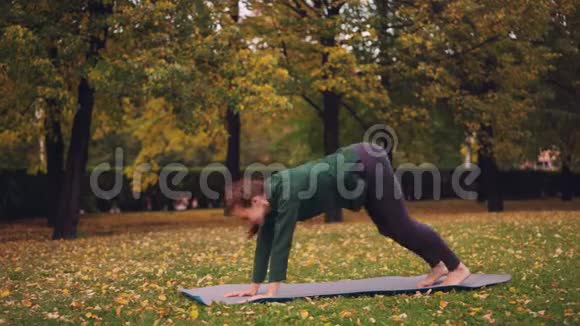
[[126, 269]]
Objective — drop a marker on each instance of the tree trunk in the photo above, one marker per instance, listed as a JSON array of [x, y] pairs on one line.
[[54, 161], [489, 178], [69, 203], [67, 216], [386, 41], [54, 148], [233, 118], [233, 153], [330, 115], [330, 120], [566, 182]]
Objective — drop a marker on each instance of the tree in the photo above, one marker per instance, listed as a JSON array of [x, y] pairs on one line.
[[40, 46], [97, 29], [83, 30], [233, 120], [555, 125], [314, 41], [390, 18], [208, 72], [482, 60]]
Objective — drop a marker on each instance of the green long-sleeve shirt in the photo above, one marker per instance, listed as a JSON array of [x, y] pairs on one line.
[[301, 193]]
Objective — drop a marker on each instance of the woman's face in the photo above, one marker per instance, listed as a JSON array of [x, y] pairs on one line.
[[254, 214]]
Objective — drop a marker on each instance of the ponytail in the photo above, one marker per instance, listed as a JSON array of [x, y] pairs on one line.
[[253, 230]]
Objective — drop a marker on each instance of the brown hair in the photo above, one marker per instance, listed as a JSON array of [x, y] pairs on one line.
[[240, 193]]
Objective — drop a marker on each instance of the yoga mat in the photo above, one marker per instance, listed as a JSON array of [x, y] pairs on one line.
[[369, 286]]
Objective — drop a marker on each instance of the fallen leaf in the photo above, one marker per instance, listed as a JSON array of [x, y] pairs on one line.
[[345, 314], [399, 317], [121, 300], [193, 312], [52, 315], [487, 317]]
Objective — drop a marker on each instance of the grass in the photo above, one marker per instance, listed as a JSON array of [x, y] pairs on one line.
[[126, 269]]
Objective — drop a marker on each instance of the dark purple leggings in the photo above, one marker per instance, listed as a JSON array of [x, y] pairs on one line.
[[388, 211]]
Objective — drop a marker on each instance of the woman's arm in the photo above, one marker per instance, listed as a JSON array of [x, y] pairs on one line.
[[263, 250], [281, 245], [261, 258]]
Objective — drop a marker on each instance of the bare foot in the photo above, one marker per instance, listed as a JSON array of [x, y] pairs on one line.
[[456, 276], [436, 272]]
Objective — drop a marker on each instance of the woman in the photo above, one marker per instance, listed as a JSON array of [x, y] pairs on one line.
[[355, 176]]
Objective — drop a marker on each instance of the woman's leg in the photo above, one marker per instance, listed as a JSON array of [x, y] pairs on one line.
[[387, 210], [417, 237]]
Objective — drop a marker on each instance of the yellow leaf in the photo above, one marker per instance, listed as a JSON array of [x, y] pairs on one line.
[[5, 293], [303, 314], [345, 314], [122, 301], [27, 303], [193, 313], [443, 304], [475, 308], [162, 297], [399, 317]]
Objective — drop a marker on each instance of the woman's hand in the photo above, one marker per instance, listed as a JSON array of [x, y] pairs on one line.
[[247, 293], [271, 292], [256, 297]]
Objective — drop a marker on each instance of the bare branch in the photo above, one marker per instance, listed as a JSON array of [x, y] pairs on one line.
[[337, 5], [313, 104], [303, 5], [568, 89], [301, 13], [401, 25], [490, 39], [352, 112]]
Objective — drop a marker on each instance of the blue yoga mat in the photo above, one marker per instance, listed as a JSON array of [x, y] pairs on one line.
[[387, 285]]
